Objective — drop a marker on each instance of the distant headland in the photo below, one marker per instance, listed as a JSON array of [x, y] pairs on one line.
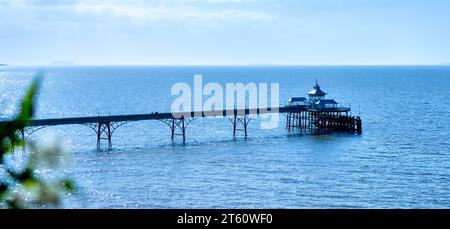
[[3, 65]]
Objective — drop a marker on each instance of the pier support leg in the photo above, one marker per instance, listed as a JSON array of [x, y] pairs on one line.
[[358, 125], [294, 121], [178, 123], [288, 121], [99, 133], [234, 126], [323, 122], [172, 127], [243, 121], [109, 136], [245, 126], [104, 128], [183, 129]]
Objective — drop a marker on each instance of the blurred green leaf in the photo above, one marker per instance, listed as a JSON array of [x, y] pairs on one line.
[[30, 184], [3, 187], [14, 203], [48, 195], [10, 139], [3, 190], [68, 185], [22, 176], [27, 106]]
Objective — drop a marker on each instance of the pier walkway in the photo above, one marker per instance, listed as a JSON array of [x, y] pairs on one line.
[[303, 118]]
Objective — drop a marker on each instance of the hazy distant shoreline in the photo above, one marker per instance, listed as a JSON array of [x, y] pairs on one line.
[[67, 64]]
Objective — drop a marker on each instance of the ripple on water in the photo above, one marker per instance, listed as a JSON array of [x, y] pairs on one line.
[[399, 161]]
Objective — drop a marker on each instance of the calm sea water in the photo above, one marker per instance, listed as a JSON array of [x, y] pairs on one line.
[[402, 160]]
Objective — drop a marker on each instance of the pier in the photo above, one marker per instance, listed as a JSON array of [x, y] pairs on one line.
[[315, 115]]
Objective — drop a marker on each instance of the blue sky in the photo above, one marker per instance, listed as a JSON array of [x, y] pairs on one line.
[[225, 32]]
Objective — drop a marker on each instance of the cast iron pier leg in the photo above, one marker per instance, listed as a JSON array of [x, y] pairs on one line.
[[173, 128], [99, 133]]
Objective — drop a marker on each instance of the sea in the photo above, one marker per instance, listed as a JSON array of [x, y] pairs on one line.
[[401, 160]]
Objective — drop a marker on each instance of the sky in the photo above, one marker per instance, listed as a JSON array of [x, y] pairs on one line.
[[225, 32]]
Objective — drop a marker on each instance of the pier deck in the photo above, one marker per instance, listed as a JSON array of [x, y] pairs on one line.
[[303, 118]]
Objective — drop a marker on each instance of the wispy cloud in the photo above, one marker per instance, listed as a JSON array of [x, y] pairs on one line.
[[142, 11], [161, 12]]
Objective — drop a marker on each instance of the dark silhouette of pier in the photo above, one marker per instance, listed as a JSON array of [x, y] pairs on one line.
[[302, 118], [315, 115]]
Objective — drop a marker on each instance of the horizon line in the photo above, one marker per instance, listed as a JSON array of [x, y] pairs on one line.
[[222, 65]]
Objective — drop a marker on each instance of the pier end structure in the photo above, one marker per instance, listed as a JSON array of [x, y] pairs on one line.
[[319, 115]]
